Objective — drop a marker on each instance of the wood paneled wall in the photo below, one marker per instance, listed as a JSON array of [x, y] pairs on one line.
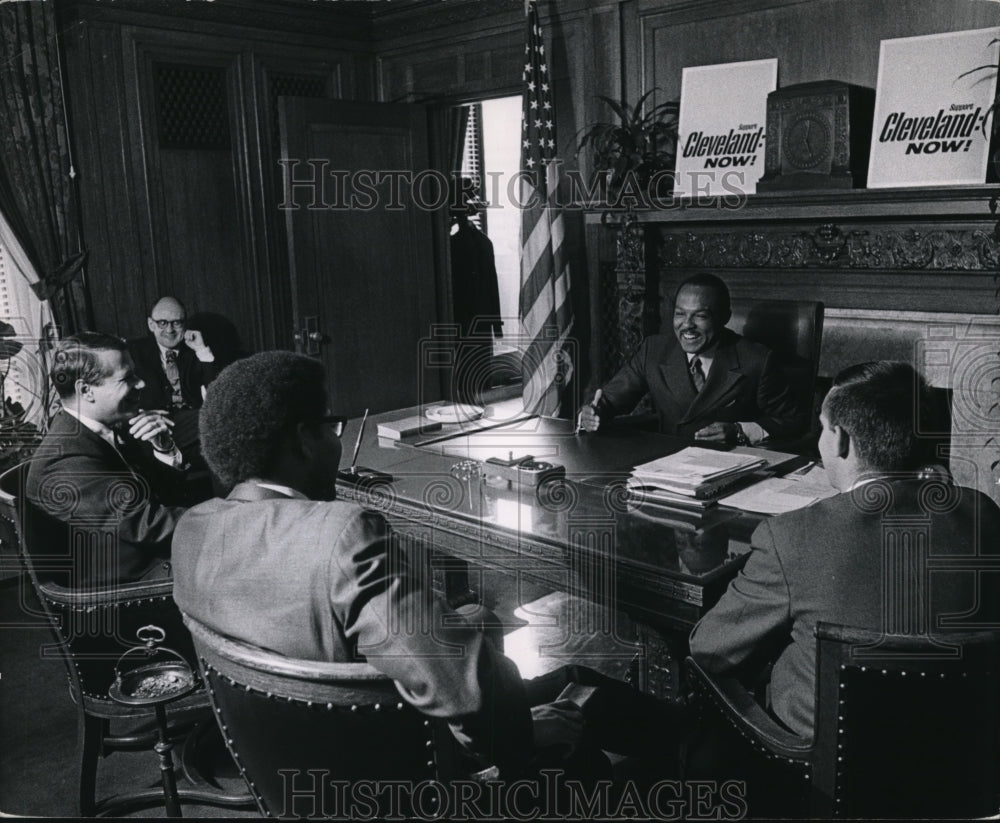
[[202, 222], [812, 39], [196, 217]]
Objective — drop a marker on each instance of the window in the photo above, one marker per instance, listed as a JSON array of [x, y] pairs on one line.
[[493, 150], [25, 374]]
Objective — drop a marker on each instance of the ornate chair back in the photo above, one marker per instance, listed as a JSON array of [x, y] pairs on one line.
[[319, 739]]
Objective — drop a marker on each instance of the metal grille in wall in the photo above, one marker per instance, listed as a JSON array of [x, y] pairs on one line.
[[291, 85], [191, 106]]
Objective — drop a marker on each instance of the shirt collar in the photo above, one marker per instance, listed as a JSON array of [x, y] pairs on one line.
[[164, 350], [288, 491], [706, 358], [868, 478], [95, 426]]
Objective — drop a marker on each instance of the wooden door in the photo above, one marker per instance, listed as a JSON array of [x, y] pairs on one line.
[[361, 247]]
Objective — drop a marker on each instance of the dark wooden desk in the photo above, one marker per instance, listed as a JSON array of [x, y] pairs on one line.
[[580, 535]]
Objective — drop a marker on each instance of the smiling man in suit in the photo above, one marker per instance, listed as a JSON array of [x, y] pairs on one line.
[[706, 382], [172, 360], [176, 366], [106, 468]]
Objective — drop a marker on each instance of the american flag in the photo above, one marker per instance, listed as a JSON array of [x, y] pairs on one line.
[[546, 313]]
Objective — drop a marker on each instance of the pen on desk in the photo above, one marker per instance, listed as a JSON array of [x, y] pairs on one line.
[[357, 445], [802, 470], [593, 404]]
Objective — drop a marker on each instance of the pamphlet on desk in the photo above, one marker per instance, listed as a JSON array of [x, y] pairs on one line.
[[777, 495]]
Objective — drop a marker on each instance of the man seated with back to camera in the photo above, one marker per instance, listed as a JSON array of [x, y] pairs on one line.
[[706, 381], [107, 465], [828, 561], [282, 564]]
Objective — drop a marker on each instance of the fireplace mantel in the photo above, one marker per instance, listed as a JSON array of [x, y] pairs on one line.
[[895, 268]]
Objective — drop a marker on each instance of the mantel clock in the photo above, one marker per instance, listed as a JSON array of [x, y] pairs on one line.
[[818, 136]]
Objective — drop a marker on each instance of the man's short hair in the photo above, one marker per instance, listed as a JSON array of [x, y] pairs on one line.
[[716, 285], [879, 404], [77, 358], [252, 405]]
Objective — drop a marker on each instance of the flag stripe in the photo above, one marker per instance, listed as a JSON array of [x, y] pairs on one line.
[[546, 311]]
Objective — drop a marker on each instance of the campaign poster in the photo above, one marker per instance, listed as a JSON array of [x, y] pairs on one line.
[[931, 102], [720, 134]]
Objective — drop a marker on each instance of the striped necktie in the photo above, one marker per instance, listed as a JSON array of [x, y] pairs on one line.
[[173, 376], [697, 374]]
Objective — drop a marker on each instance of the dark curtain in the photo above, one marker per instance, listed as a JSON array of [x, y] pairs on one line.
[[36, 187]]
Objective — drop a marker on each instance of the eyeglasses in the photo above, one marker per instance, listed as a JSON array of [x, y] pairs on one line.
[[174, 324], [336, 422]]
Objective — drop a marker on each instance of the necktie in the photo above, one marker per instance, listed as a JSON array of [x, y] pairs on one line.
[[697, 374], [173, 376]]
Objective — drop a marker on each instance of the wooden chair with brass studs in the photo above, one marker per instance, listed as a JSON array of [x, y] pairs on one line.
[[302, 731], [92, 630], [907, 726]]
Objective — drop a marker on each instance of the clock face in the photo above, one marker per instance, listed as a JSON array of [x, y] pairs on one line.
[[807, 141]]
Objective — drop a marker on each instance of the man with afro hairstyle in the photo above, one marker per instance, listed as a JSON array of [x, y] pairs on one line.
[[281, 564]]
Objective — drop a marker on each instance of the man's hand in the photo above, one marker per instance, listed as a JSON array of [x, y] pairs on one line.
[[195, 342], [589, 420], [557, 724], [154, 427], [719, 432]]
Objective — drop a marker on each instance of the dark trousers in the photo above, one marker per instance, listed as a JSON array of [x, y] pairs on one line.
[[619, 717]]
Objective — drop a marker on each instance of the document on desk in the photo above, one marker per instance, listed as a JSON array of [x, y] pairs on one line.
[[777, 495]]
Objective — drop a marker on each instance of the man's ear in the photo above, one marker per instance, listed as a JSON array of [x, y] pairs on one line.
[[151, 324], [303, 439], [843, 441], [83, 390]]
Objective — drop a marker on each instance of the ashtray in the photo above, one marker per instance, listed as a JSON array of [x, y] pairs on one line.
[[152, 683], [155, 683]]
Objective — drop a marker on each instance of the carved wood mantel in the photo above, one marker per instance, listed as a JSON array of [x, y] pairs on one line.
[[895, 268]]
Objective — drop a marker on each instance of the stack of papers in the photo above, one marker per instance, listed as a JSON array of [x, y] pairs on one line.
[[694, 476], [778, 495]]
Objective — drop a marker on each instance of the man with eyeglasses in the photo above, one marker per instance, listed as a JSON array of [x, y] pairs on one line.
[[174, 361]]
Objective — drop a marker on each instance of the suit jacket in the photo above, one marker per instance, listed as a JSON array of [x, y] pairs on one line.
[[475, 288], [745, 384], [119, 499], [321, 580], [157, 393], [825, 563]]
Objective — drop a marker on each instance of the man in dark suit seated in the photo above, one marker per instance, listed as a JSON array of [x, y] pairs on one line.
[[828, 561], [706, 381], [106, 466], [282, 564], [175, 365]]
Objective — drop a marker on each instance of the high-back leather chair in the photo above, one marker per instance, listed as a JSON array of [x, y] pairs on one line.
[[91, 630], [298, 729], [793, 330], [906, 726]]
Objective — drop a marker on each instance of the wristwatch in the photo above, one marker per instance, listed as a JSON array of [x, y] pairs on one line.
[[741, 436]]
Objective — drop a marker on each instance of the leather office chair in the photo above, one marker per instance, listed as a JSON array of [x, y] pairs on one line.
[[793, 330], [92, 629], [295, 726], [906, 726]]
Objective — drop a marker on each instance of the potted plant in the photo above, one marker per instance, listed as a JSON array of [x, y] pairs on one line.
[[641, 144]]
